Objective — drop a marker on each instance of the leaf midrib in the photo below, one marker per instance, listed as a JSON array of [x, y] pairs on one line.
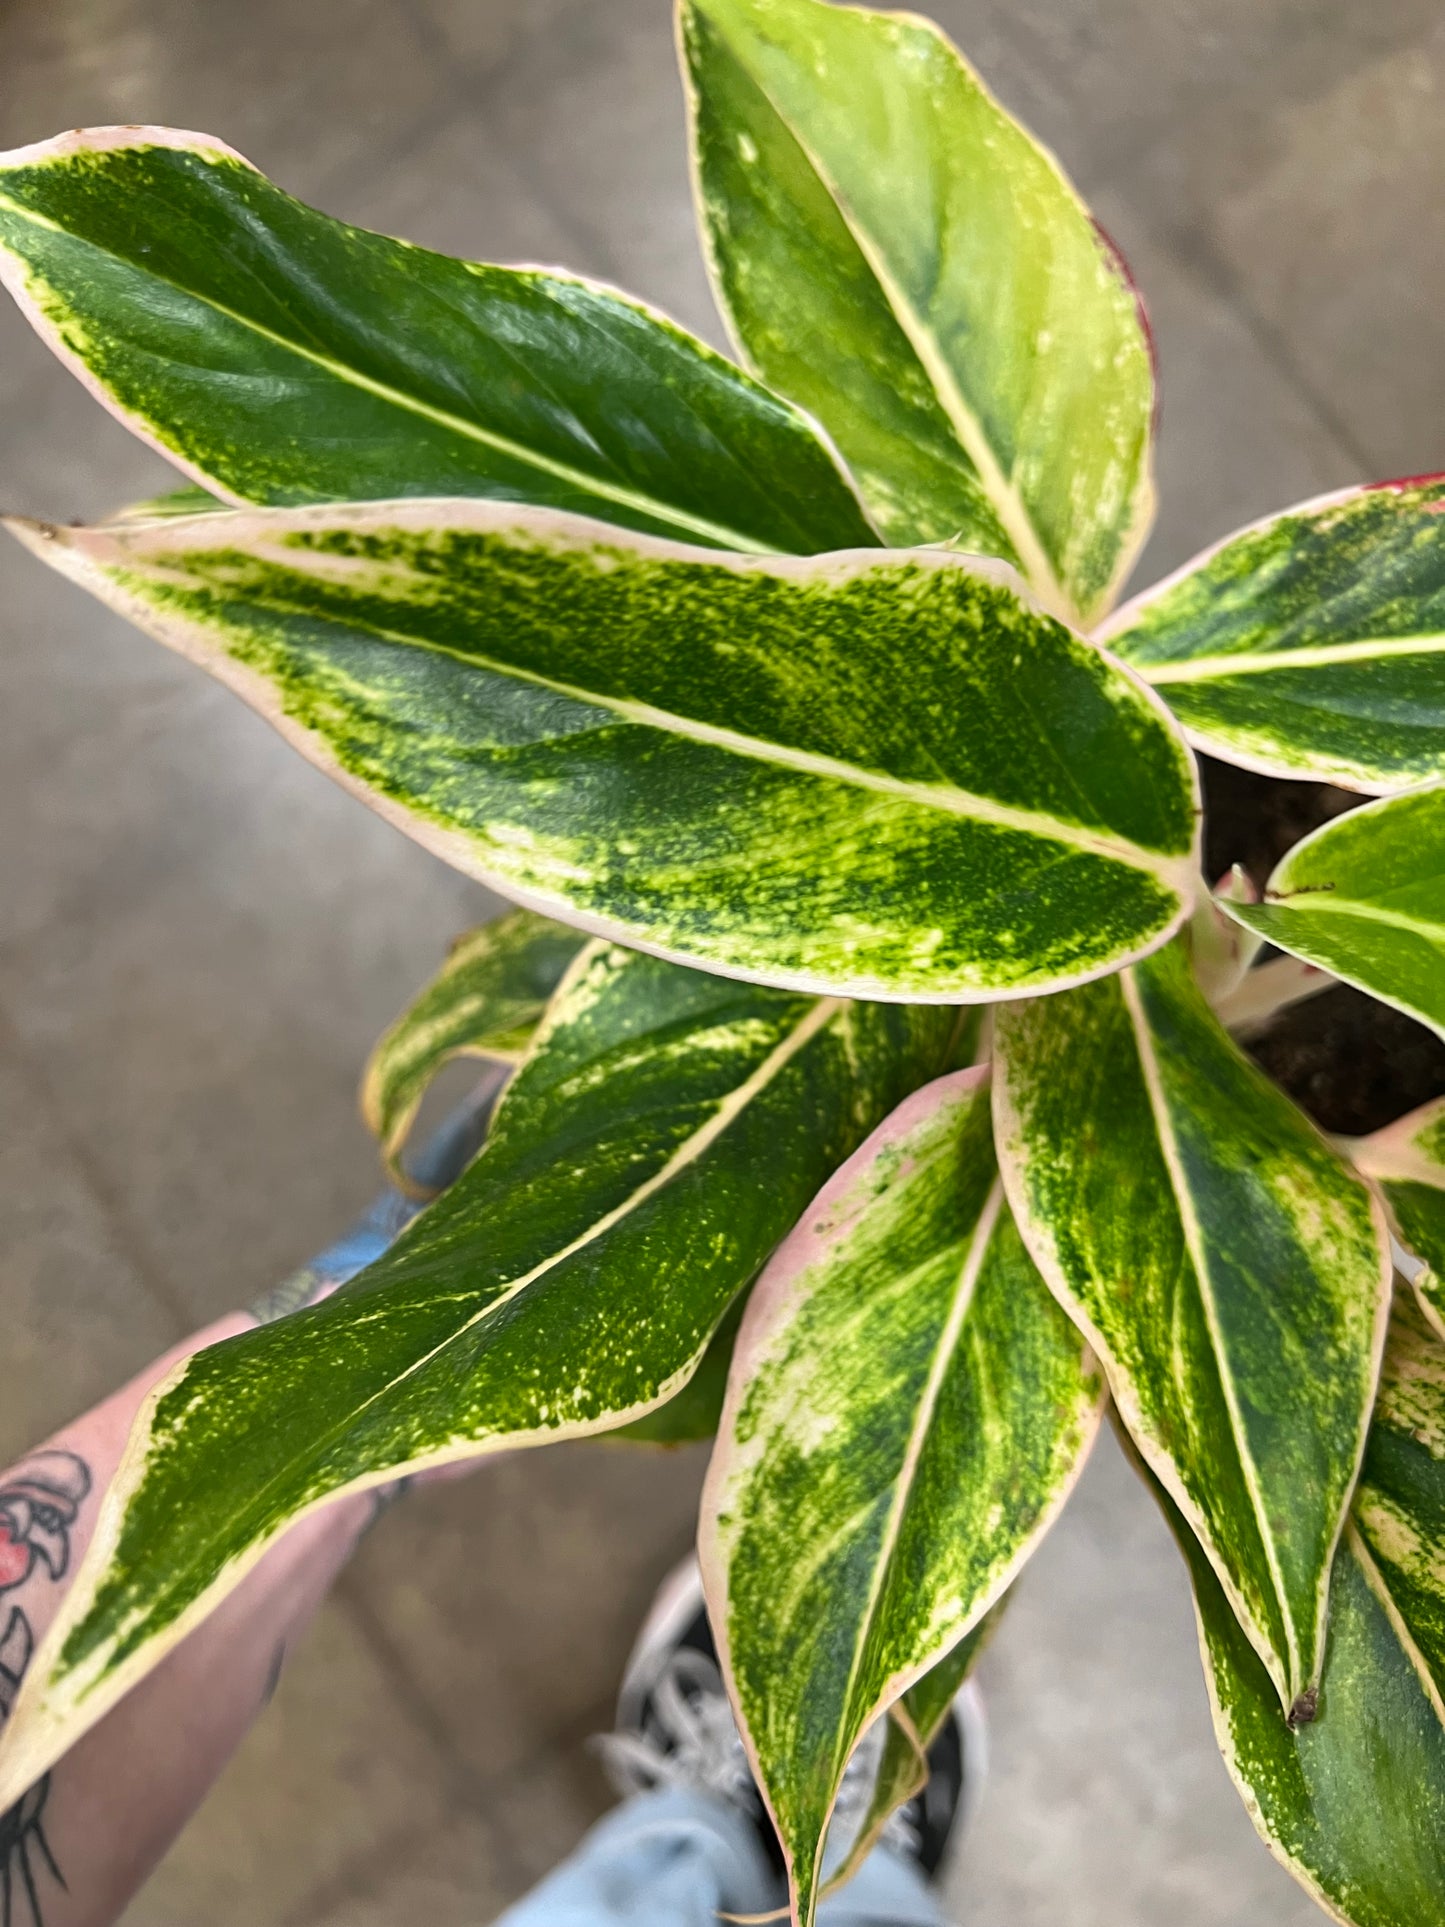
[[597, 486], [949, 799], [1194, 1242], [1265, 662], [980, 1238], [1308, 901]]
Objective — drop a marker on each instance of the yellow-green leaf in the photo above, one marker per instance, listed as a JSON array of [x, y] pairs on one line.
[[906, 1413], [897, 254], [1313, 643], [1363, 897], [1231, 1271], [871, 773]]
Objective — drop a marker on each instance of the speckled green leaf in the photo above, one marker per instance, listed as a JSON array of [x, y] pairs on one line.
[[486, 1002], [1312, 644], [279, 356], [897, 254], [1407, 1162], [1364, 898], [1399, 1505], [906, 1413], [1354, 1804], [694, 1413], [1229, 1268], [568, 1281], [887, 775]]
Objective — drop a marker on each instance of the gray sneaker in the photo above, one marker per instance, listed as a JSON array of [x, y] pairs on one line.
[[675, 1728]]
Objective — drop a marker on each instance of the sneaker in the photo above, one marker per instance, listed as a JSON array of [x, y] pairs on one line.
[[675, 1728]]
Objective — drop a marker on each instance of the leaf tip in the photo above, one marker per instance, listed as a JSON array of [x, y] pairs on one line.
[[32, 533]]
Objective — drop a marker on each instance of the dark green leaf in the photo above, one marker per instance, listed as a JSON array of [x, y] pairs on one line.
[[570, 1280], [279, 356], [1228, 1267], [1312, 644]]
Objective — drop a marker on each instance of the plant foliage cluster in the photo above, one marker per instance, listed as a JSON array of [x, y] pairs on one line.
[[876, 1106]]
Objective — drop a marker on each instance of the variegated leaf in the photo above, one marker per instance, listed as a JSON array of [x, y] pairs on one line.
[[693, 1414], [897, 254], [1400, 1502], [1407, 1161], [569, 1280], [1363, 898], [914, 1722], [906, 1413], [189, 500], [486, 1002], [1228, 1267], [1313, 643], [886, 775], [279, 356], [1354, 1804]]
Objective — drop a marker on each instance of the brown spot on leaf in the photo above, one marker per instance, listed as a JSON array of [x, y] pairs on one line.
[[1304, 1708]]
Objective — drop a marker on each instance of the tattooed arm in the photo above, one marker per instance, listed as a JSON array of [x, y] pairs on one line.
[[80, 1843], [75, 1849]]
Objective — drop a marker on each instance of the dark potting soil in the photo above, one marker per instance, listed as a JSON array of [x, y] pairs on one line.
[[1351, 1063]]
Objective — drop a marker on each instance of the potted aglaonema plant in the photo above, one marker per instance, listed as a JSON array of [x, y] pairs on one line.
[[875, 1026]]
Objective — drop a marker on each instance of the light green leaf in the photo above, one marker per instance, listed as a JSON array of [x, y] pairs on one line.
[[1230, 1270], [882, 774], [906, 1413], [1354, 1803], [1313, 643], [279, 356], [897, 254], [1407, 1162], [486, 1002], [1363, 897], [568, 1281]]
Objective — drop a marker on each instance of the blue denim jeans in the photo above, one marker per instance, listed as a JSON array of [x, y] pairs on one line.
[[675, 1859]]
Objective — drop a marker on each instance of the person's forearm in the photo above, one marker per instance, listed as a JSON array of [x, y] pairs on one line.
[[76, 1848]]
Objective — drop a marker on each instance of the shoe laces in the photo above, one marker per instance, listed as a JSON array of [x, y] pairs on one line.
[[689, 1739]]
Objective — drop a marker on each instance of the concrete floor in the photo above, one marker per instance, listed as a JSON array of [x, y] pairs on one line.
[[199, 937]]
